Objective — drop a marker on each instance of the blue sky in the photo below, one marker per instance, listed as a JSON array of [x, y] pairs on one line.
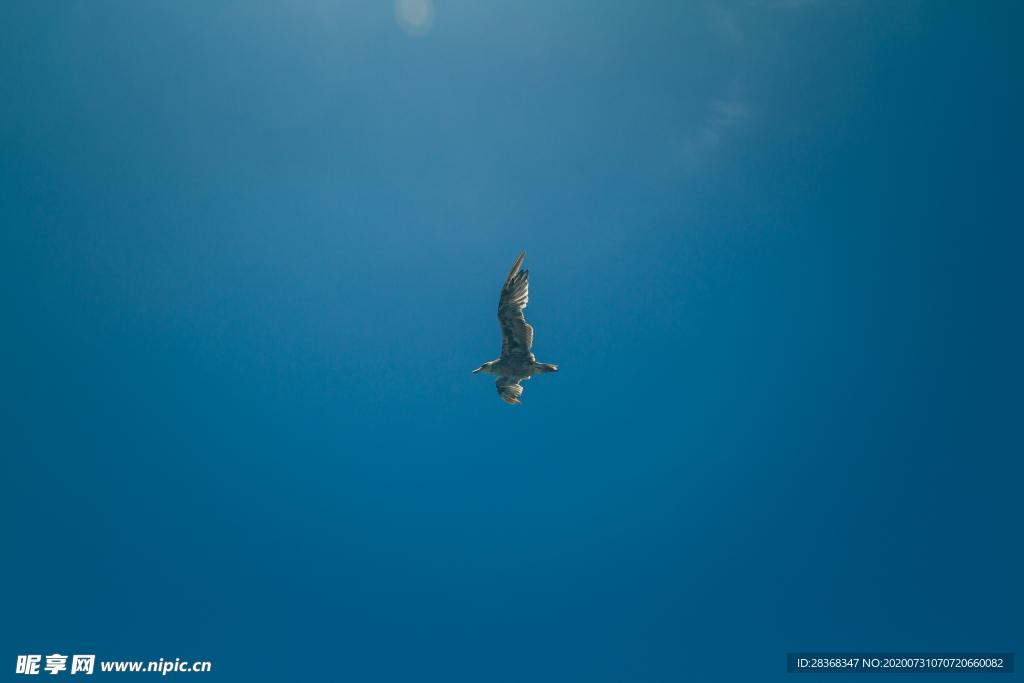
[[252, 251]]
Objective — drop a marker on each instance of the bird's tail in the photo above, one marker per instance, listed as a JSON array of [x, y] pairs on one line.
[[546, 367]]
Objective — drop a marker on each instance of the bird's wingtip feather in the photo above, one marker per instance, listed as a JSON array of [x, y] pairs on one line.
[[515, 266]]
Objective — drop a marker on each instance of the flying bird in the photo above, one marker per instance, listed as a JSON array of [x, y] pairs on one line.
[[517, 362]]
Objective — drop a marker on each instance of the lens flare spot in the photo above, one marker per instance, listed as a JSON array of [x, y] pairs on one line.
[[414, 16]]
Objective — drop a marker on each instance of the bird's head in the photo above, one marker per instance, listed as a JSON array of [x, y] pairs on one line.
[[484, 368]]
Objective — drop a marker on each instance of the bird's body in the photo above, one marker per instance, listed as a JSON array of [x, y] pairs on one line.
[[517, 362]]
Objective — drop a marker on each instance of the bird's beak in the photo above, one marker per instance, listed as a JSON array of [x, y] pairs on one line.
[[477, 370]]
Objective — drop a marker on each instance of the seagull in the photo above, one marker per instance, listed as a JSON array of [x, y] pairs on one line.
[[517, 363]]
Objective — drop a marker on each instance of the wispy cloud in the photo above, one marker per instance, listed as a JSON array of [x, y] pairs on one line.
[[738, 29], [722, 115], [726, 110]]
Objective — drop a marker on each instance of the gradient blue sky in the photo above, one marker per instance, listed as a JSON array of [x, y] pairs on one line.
[[252, 251]]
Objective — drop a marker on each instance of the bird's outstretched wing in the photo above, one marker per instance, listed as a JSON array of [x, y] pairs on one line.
[[516, 333], [509, 390]]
